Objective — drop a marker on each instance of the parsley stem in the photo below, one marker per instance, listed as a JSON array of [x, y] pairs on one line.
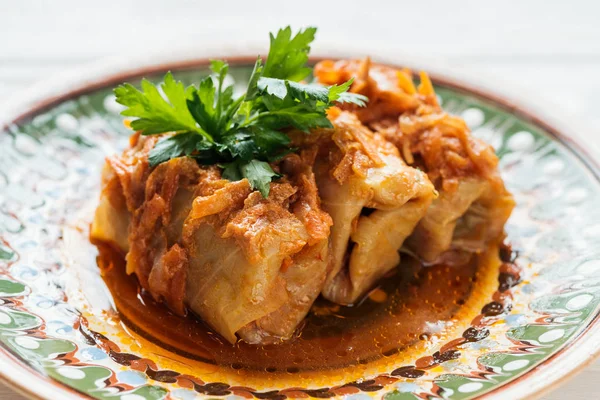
[[204, 135], [219, 111], [256, 117]]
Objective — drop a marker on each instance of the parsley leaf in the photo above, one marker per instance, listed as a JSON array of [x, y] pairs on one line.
[[231, 171], [154, 113], [259, 174], [353, 98], [252, 90], [270, 141], [281, 88], [288, 56], [241, 135], [241, 145], [202, 106], [208, 153], [173, 146], [340, 94], [298, 116]]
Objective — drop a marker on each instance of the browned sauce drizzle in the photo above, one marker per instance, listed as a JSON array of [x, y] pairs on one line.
[[397, 314]]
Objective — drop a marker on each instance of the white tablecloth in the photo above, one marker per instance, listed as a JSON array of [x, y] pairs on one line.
[[551, 48]]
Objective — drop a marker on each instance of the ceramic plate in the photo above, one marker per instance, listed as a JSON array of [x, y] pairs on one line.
[[522, 327]]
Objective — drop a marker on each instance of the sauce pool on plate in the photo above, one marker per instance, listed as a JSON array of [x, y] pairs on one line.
[[410, 305]]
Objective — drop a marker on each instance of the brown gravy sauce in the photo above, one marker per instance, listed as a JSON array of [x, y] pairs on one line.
[[408, 306]]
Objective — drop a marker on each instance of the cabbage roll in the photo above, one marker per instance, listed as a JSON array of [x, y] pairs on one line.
[[375, 201], [122, 192], [465, 218], [248, 266], [473, 204]]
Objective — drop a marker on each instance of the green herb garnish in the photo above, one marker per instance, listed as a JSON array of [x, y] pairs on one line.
[[243, 134]]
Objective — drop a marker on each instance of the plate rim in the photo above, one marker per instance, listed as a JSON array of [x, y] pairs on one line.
[[73, 82]]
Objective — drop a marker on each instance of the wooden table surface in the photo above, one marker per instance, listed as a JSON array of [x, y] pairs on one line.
[[550, 48]]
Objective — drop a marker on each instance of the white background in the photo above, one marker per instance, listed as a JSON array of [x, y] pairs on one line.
[[550, 48]]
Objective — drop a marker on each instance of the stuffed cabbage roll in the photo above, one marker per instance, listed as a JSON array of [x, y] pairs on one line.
[[247, 265], [375, 201], [473, 203]]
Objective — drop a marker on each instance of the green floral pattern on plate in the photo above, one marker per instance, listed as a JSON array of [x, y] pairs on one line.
[[50, 168]]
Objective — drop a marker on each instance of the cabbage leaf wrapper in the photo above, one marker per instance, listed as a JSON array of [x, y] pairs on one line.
[[250, 267], [374, 199], [473, 204]]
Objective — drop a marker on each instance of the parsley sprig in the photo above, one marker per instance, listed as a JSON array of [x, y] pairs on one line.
[[242, 135]]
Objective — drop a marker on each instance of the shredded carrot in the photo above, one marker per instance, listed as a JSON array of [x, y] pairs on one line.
[[405, 81], [425, 87], [424, 134]]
